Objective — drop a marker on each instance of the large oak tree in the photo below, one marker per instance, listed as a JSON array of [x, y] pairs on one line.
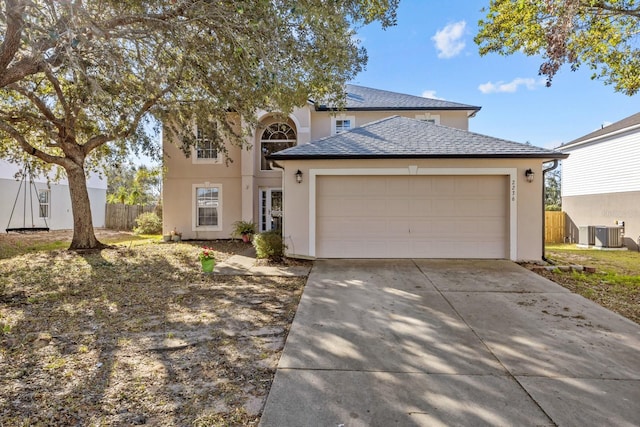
[[601, 34], [79, 77]]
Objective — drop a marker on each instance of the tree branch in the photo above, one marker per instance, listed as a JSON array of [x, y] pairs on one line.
[[30, 149], [11, 43], [42, 107]]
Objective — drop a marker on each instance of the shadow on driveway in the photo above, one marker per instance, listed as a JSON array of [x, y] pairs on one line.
[[451, 342]]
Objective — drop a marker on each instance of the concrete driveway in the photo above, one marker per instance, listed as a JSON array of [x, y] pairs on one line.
[[452, 342]]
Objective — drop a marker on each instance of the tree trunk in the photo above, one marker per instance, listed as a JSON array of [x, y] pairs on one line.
[[83, 234]]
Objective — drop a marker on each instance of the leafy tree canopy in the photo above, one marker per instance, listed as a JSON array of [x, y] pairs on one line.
[[78, 79], [133, 185], [602, 34]]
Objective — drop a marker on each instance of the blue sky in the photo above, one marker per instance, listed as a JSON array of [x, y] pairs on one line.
[[431, 52]]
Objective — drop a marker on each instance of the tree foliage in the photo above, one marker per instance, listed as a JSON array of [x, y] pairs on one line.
[[131, 185], [553, 190], [601, 34], [78, 79]]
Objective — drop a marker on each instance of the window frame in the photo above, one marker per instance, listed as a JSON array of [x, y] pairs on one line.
[[195, 208], [199, 138], [428, 117], [286, 143], [47, 204], [343, 118]]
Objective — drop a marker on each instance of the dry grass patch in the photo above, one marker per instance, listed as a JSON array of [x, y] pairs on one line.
[[137, 335], [615, 285]]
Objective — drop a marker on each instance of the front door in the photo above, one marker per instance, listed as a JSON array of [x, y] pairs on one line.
[[270, 209]]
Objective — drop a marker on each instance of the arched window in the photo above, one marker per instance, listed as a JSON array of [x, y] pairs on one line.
[[276, 137]]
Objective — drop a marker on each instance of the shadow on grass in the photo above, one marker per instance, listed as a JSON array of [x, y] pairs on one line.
[[137, 335]]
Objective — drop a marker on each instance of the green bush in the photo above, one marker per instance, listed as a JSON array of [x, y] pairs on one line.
[[269, 245], [552, 208], [148, 223]]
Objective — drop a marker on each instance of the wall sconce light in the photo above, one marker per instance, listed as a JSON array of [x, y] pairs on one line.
[[529, 174], [299, 176]]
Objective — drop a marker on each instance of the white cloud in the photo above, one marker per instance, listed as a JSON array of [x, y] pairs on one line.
[[449, 41], [512, 86], [430, 94]]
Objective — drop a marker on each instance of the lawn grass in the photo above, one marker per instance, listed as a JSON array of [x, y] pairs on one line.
[[615, 284], [18, 244], [136, 334]]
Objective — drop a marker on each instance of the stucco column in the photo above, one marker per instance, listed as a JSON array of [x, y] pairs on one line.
[[247, 160]]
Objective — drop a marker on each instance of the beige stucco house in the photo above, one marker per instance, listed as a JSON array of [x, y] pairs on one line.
[[389, 176], [601, 180]]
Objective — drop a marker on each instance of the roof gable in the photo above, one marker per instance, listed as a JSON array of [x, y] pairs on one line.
[[628, 122], [402, 137], [360, 98]]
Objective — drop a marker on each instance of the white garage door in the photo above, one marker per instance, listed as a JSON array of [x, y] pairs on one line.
[[412, 217]]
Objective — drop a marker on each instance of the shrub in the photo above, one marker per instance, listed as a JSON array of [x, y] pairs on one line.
[[552, 208], [148, 223], [269, 245]]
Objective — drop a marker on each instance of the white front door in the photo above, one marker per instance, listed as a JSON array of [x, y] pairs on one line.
[[270, 209]]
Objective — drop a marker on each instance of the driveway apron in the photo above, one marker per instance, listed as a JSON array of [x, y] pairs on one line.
[[451, 342]]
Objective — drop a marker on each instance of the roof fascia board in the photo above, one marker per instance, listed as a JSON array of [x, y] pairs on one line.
[[549, 156], [472, 109], [599, 137]]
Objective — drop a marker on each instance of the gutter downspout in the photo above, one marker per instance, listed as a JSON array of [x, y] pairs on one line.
[[544, 172]]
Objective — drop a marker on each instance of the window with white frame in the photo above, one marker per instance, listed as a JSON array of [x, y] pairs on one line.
[[342, 123], [205, 149], [276, 137], [44, 199], [207, 207], [428, 117]]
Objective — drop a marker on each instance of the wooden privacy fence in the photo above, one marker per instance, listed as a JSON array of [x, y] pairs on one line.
[[554, 227], [123, 217]]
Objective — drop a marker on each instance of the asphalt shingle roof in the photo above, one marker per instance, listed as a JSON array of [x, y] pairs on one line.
[[402, 137], [632, 120], [360, 98]]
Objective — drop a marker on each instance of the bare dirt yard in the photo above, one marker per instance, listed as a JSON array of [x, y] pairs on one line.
[[135, 334]]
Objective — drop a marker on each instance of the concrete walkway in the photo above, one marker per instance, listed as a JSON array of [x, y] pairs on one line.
[[445, 342], [245, 265]]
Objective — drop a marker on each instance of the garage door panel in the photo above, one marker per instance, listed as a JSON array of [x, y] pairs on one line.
[[416, 216], [420, 206]]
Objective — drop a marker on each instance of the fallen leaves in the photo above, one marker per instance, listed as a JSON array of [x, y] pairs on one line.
[[135, 335]]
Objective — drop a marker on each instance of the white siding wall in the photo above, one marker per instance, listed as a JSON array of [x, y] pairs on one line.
[[606, 166], [60, 204]]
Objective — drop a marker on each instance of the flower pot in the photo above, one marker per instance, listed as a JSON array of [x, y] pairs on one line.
[[246, 237], [208, 265], [166, 238], [176, 238]]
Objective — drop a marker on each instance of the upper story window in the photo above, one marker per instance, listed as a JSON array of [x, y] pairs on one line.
[[205, 150], [342, 124], [428, 117], [276, 137]]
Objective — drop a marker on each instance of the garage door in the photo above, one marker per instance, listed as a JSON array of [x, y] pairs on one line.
[[412, 217]]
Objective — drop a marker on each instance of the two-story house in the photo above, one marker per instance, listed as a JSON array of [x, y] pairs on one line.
[[601, 180], [390, 175]]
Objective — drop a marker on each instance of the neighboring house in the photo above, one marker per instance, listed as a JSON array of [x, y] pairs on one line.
[[390, 176], [47, 204], [601, 179]]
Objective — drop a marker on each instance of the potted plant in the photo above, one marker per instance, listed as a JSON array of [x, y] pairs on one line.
[[244, 229], [176, 236], [207, 259]]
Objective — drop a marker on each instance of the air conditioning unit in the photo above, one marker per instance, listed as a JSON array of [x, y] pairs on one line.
[[608, 237], [587, 235]]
